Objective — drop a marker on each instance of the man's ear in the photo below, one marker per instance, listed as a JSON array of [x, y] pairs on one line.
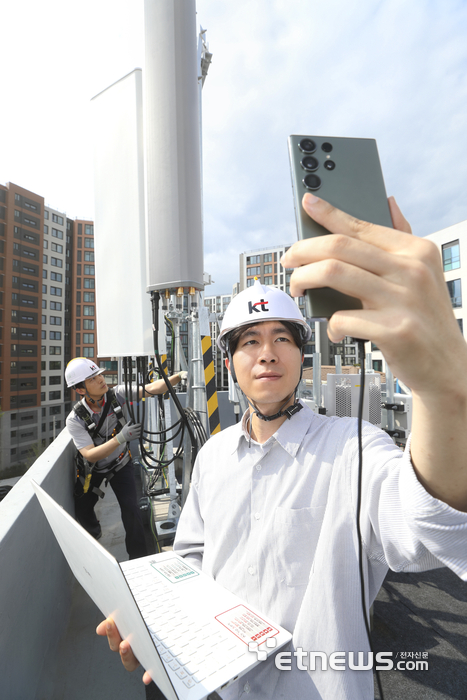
[[81, 392], [227, 363]]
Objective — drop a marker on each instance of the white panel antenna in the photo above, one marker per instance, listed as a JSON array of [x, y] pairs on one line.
[[124, 321]]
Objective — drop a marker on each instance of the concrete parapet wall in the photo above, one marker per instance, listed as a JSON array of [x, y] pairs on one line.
[[35, 580]]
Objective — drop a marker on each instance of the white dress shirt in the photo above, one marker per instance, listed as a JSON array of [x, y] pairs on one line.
[[275, 524]]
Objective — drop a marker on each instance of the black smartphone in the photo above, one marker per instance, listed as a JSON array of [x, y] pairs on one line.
[[346, 172]]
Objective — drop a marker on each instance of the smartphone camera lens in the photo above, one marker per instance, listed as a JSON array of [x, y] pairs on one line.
[[309, 163], [329, 164], [307, 146], [326, 147], [312, 182]]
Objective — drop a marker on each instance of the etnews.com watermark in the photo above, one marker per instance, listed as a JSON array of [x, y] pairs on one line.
[[342, 660]]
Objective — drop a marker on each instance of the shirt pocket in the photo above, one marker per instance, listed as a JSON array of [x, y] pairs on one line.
[[296, 534]]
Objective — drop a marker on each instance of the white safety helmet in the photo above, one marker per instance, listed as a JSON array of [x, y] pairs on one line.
[[261, 303], [80, 369]]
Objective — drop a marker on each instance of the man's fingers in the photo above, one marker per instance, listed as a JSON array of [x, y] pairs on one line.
[[398, 219], [129, 660], [337, 221], [109, 628], [147, 678]]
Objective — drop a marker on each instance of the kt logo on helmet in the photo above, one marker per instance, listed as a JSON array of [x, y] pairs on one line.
[[254, 307]]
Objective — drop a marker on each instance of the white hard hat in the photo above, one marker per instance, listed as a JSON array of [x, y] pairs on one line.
[[79, 369], [261, 303]]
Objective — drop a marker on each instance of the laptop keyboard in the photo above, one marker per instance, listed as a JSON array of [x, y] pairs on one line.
[[193, 650]]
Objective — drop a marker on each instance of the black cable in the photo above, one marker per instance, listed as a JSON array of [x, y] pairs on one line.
[[361, 352], [155, 297]]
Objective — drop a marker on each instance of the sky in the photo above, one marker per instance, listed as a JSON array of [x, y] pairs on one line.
[[386, 69]]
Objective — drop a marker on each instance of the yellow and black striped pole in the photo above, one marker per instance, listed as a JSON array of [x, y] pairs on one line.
[[210, 381]]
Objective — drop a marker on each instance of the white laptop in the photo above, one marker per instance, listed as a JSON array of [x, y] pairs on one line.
[[191, 634]]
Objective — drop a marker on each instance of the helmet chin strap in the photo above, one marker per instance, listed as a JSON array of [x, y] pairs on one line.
[[88, 398], [288, 413]]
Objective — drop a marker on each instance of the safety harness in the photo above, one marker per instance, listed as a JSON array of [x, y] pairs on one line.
[[85, 469]]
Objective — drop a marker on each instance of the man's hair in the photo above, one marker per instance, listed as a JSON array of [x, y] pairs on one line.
[[80, 385], [235, 335]]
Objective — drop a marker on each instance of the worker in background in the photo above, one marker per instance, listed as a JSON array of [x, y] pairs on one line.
[[271, 512], [100, 427]]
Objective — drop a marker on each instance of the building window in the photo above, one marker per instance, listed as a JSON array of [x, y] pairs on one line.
[[88, 338], [54, 395], [89, 283], [56, 305], [455, 292], [88, 324], [57, 219], [56, 262], [268, 269], [88, 257], [56, 276], [88, 310], [89, 270], [55, 335], [55, 321], [253, 260], [55, 379], [57, 234], [451, 256], [253, 271], [55, 350], [56, 291], [89, 242], [267, 257], [461, 325], [88, 296], [89, 229], [268, 280], [250, 282], [88, 352], [57, 248]]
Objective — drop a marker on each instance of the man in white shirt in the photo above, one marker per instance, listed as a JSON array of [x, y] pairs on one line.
[[271, 511]]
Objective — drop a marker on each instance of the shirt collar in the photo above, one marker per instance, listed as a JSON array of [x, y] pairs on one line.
[[290, 435]]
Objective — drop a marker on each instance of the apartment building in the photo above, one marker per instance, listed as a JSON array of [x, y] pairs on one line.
[[452, 244], [21, 241], [55, 299], [47, 316]]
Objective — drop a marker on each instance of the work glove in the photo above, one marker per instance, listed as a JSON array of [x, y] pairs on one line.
[[129, 432]]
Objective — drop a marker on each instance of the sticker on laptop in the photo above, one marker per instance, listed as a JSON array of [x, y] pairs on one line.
[[246, 625], [174, 570]]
